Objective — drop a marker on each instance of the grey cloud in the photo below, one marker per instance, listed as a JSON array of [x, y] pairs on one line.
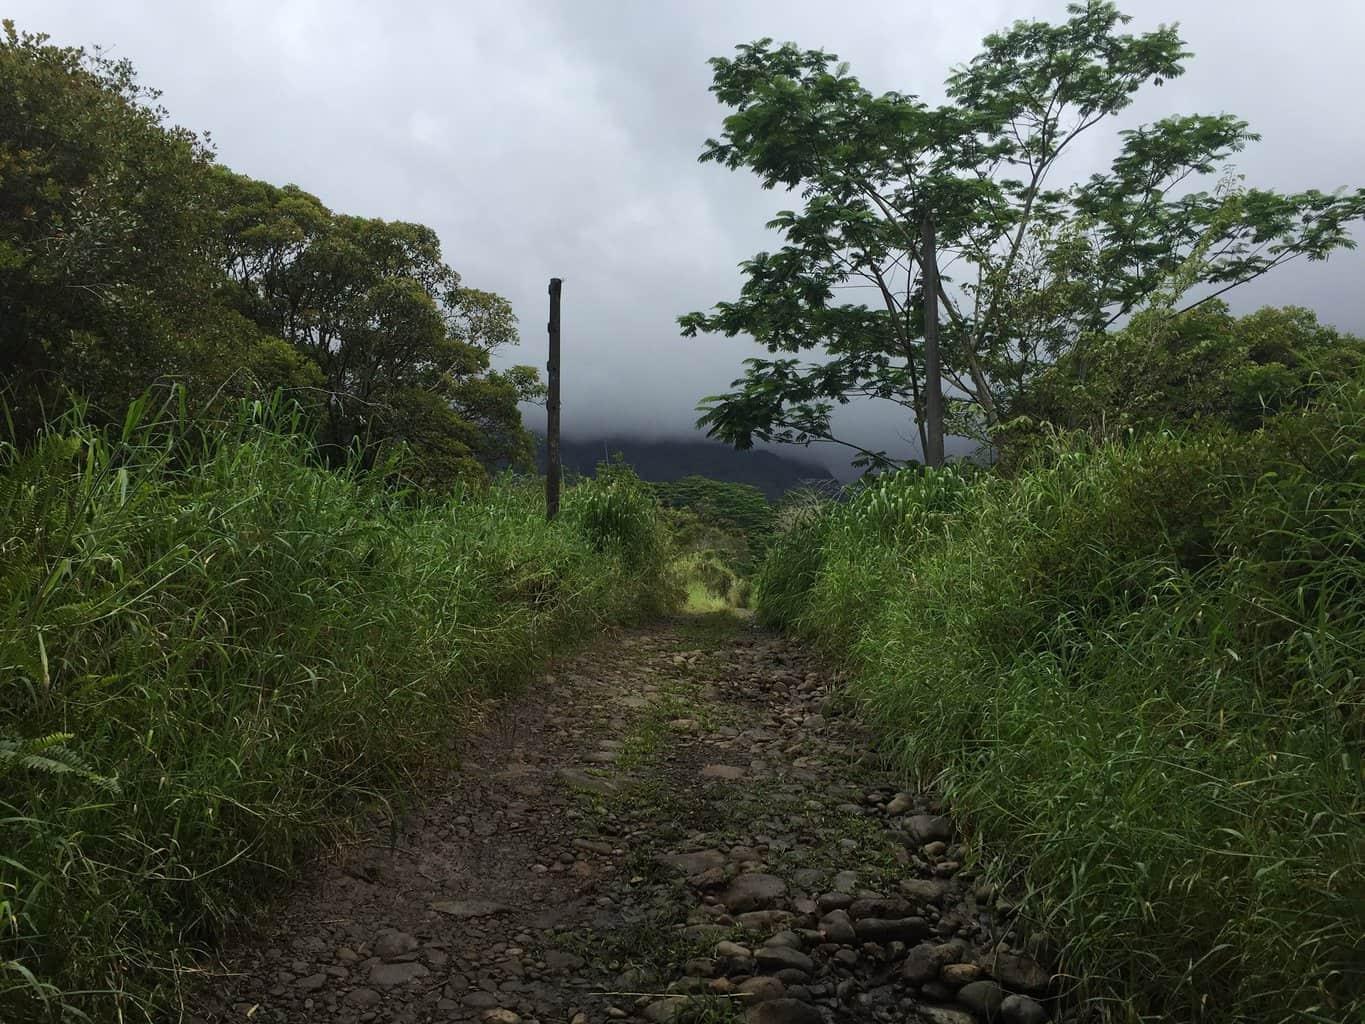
[[560, 138]]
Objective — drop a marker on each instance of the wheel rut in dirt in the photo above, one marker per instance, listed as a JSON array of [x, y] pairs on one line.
[[684, 823]]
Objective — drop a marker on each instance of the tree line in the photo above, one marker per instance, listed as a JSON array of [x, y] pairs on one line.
[[130, 258]]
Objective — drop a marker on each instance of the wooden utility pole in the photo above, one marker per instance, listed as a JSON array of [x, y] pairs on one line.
[[552, 472], [933, 396]]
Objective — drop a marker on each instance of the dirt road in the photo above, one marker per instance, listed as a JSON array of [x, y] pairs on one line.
[[684, 823]]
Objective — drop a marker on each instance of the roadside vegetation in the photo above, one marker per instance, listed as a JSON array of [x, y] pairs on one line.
[[264, 552], [130, 258], [1125, 641], [721, 532], [1132, 665], [218, 650]]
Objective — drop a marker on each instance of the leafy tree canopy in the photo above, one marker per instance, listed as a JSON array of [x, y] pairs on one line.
[[722, 527], [128, 257], [106, 280], [403, 345], [739, 506], [1030, 265], [1204, 366]]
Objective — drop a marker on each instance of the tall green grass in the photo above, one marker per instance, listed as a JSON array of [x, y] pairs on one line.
[[214, 653], [1136, 672]]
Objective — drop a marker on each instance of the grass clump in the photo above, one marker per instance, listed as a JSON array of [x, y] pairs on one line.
[[710, 584], [677, 701], [215, 652], [1135, 669]]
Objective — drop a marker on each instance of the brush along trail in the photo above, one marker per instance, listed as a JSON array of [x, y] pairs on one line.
[[684, 824]]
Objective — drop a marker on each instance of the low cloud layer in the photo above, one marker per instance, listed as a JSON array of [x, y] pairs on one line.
[[560, 138]]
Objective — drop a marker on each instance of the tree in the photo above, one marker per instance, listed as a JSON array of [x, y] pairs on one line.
[[402, 344], [1029, 270], [129, 257], [1202, 367], [107, 277]]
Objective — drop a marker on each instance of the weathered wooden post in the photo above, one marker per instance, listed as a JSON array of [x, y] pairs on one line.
[[933, 378], [552, 471]]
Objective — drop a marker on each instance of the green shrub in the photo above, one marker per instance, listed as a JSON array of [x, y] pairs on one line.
[[1203, 367], [715, 576], [1134, 669], [727, 523], [741, 507], [618, 515], [215, 653]]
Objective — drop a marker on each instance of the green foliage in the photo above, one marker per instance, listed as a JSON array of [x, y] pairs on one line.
[[716, 577], [741, 507], [1032, 265], [48, 755], [711, 582], [618, 515], [793, 562], [108, 258], [722, 530], [401, 344], [216, 651], [1134, 667], [129, 258], [1202, 367]]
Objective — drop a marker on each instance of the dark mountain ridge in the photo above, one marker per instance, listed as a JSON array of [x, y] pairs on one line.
[[663, 460]]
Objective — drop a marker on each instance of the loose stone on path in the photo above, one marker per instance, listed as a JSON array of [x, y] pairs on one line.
[[669, 827], [468, 908], [729, 773]]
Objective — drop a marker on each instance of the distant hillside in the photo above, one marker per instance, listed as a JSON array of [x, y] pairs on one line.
[[666, 460]]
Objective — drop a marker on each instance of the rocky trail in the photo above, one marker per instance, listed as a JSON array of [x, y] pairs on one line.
[[680, 825]]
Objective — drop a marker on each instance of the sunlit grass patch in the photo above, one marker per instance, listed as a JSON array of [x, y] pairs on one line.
[[701, 601]]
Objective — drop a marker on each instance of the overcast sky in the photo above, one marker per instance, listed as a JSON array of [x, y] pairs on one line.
[[559, 137]]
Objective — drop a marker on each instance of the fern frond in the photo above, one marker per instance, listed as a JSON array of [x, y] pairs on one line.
[[49, 755]]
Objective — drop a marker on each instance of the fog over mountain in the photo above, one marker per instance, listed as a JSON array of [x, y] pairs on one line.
[[560, 138]]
